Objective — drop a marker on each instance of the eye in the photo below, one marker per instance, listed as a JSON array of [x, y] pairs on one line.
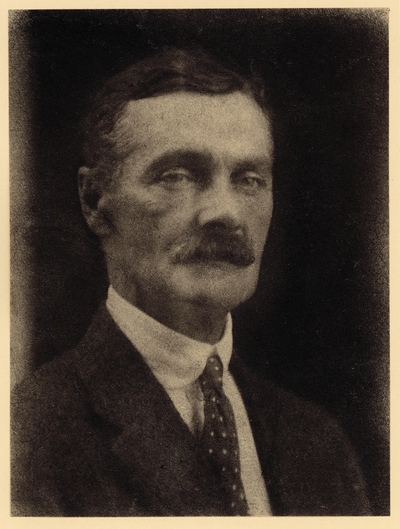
[[175, 177], [251, 180]]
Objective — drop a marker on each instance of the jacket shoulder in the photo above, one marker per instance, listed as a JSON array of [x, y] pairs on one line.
[[59, 443], [308, 463]]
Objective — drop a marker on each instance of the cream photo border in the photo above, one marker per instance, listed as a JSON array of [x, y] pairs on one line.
[[393, 521]]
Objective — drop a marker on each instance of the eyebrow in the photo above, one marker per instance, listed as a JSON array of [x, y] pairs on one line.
[[263, 164], [200, 161]]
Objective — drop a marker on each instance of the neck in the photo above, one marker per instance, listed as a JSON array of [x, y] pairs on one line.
[[199, 320]]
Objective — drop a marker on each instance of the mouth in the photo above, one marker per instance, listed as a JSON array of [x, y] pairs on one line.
[[221, 259]]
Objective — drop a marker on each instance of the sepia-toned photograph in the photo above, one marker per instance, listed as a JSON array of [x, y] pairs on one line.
[[199, 262]]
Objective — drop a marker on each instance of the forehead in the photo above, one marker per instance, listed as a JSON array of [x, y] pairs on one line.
[[220, 124]]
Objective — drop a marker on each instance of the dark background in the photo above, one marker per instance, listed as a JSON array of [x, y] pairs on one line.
[[319, 322]]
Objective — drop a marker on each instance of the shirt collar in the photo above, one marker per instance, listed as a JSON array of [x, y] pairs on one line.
[[175, 359]]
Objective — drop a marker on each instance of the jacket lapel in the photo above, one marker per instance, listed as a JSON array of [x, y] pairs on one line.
[[154, 444]]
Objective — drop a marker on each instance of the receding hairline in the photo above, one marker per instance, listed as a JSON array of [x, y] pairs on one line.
[[132, 103]]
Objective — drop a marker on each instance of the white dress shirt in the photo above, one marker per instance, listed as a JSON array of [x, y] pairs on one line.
[[177, 361]]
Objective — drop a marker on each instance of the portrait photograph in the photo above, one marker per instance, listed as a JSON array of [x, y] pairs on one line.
[[199, 205]]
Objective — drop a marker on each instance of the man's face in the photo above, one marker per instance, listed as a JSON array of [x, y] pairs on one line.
[[192, 204]]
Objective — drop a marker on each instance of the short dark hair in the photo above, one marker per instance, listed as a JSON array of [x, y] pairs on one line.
[[171, 70]]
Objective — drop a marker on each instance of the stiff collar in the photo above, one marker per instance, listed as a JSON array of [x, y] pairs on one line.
[[175, 359]]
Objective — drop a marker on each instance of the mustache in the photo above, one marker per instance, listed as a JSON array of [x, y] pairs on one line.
[[217, 244]]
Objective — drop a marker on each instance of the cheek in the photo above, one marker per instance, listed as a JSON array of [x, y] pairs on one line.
[[260, 216], [134, 221], [146, 223], [148, 203]]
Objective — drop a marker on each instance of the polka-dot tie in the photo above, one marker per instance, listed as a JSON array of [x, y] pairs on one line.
[[219, 437]]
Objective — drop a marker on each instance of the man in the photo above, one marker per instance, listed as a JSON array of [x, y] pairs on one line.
[[153, 413]]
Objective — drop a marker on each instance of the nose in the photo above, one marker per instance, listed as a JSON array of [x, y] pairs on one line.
[[220, 204]]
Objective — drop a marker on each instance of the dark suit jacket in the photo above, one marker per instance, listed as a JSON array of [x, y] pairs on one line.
[[95, 434]]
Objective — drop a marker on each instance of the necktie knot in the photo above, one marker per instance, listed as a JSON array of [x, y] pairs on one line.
[[211, 378]]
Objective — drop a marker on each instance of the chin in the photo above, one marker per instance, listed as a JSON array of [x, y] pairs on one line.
[[218, 286]]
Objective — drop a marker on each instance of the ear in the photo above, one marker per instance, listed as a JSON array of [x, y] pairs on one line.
[[90, 194]]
